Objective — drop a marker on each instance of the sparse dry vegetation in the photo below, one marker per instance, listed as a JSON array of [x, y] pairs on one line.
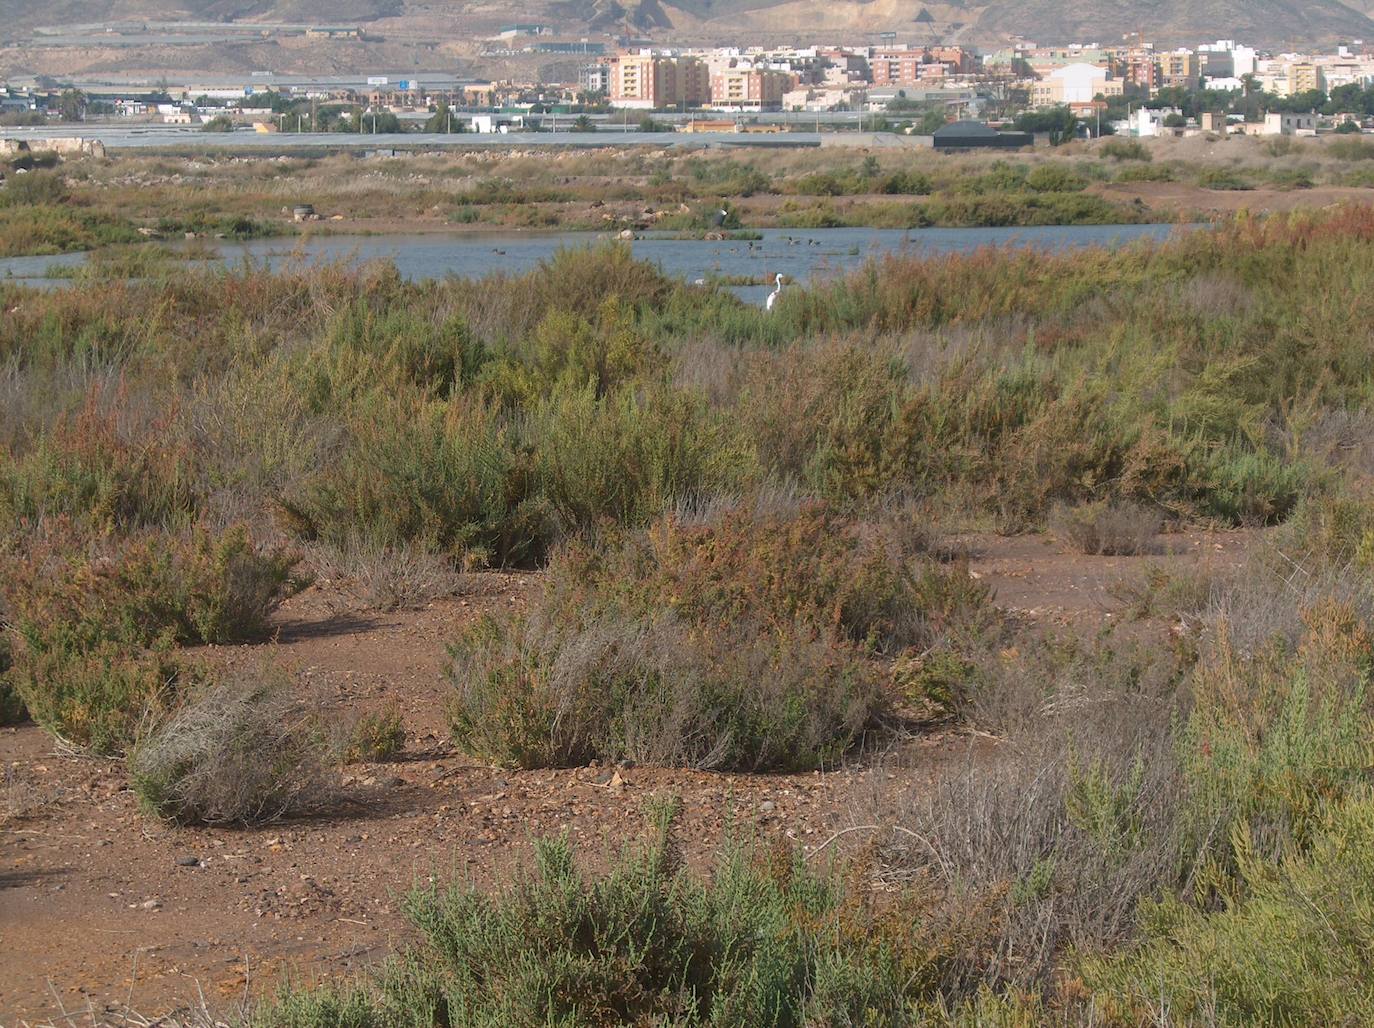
[[1107, 528], [742, 525], [240, 750], [93, 204]]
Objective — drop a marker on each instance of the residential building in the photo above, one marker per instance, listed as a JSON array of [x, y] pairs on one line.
[[595, 78], [1283, 123], [1180, 68], [1148, 123], [649, 81], [756, 89], [1138, 69], [1305, 77], [900, 66], [1216, 64]]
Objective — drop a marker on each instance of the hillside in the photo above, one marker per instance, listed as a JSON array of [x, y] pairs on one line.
[[1264, 21], [455, 23], [1272, 22]]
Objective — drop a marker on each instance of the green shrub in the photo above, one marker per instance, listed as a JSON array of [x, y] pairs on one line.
[[1054, 178], [87, 468], [908, 183], [1146, 173], [1125, 150], [1293, 950], [820, 183], [193, 589], [1277, 734], [764, 942], [1223, 178], [735, 641], [1002, 177], [375, 738], [1351, 149], [444, 477], [96, 629], [1291, 178], [59, 228], [873, 581], [11, 706], [1330, 531], [99, 697], [37, 188], [629, 456]]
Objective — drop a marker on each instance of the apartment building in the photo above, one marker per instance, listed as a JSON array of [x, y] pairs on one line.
[[900, 66], [650, 81], [1180, 68], [1137, 70], [1305, 77], [750, 89], [595, 78]]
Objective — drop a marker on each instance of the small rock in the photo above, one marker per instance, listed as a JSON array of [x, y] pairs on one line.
[[188, 861]]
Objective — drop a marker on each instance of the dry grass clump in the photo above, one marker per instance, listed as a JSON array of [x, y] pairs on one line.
[[534, 691], [242, 750], [1107, 528], [1058, 838], [1179, 594], [383, 577]]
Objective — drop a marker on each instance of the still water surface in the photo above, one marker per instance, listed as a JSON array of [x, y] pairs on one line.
[[800, 255]]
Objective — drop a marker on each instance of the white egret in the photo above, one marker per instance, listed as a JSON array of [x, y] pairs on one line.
[[773, 296]]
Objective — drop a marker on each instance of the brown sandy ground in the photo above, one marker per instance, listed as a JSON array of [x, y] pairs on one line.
[[103, 909]]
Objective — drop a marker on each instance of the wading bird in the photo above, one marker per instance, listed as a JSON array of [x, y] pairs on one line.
[[773, 296]]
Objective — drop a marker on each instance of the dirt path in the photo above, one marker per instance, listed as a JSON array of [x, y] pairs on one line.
[[101, 906]]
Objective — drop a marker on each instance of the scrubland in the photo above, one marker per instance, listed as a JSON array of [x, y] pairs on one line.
[[91, 204], [747, 528]]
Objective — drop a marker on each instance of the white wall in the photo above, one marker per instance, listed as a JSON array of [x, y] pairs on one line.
[[1081, 82]]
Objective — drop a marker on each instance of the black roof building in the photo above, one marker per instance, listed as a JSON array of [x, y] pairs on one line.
[[975, 135]]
